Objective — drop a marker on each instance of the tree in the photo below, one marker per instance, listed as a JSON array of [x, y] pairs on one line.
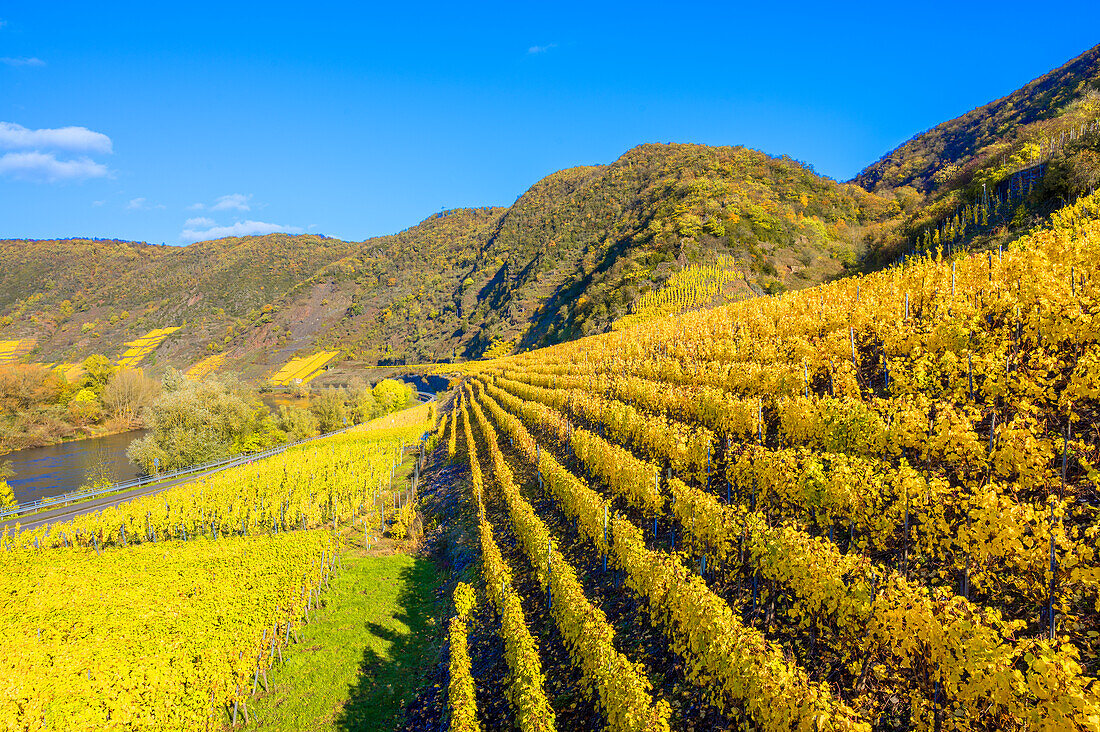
[[174, 379], [23, 387], [392, 395], [84, 408], [97, 370], [127, 392], [362, 405], [7, 497], [329, 409], [199, 421], [298, 422]]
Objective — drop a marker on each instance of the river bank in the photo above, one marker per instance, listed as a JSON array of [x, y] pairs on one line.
[[82, 433], [62, 467], [65, 465]]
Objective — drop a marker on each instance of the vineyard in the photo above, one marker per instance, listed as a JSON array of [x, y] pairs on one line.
[[70, 372], [713, 440], [206, 366], [868, 505], [695, 286], [142, 347], [12, 351], [302, 369], [168, 611]]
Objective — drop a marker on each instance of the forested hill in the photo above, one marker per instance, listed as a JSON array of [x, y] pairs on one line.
[[996, 171], [579, 247], [571, 256], [957, 141]]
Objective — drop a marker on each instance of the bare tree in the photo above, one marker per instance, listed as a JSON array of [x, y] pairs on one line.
[[127, 392]]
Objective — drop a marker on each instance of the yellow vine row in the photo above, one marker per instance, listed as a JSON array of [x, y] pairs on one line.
[[739, 669], [525, 688], [460, 691], [620, 684]]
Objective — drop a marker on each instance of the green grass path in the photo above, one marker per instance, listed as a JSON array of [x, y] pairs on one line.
[[363, 656]]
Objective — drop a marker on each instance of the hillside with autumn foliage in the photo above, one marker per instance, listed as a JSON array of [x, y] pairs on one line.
[[662, 229], [992, 174], [570, 257]]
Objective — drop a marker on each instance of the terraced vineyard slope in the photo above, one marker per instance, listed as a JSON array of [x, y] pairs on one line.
[[886, 482]]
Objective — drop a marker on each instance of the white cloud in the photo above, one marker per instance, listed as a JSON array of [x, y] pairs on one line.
[[541, 49], [74, 139], [45, 167], [228, 202], [199, 221], [240, 228], [233, 201], [98, 203], [142, 204], [22, 61]]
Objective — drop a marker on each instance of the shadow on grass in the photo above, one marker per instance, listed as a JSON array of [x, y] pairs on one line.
[[386, 685]]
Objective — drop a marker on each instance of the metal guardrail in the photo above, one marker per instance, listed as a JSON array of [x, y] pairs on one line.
[[232, 462]]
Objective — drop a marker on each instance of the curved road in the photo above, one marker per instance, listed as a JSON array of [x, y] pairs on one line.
[[67, 513]]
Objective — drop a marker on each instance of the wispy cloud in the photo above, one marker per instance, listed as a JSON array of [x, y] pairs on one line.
[[97, 204], [73, 139], [232, 202], [199, 221], [22, 61], [142, 204], [228, 202], [240, 228], [46, 168], [541, 49]]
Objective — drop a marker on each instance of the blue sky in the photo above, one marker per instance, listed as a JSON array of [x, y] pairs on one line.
[[173, 124]]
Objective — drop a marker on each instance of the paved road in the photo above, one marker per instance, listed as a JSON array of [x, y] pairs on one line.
[[67, 513], [94, 505]]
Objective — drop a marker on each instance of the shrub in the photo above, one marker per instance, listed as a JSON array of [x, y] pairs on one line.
[[85, 408], [392, 395], [330, 410], [193, 422], [297, 422]]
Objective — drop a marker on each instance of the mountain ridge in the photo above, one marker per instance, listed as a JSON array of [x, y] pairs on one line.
[[915, 162], [567, 258], [575, 254]]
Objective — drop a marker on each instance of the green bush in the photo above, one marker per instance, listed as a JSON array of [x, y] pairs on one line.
[[297, 422], [194, 422], [84, 407], [330, 409]]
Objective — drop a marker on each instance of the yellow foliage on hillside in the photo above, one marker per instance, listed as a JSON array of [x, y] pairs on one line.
[[12, 351], [142, 347], [205, 366], [303, 369]]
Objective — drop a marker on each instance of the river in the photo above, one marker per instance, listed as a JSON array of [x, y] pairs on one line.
[[61, 468], [426, 382]]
